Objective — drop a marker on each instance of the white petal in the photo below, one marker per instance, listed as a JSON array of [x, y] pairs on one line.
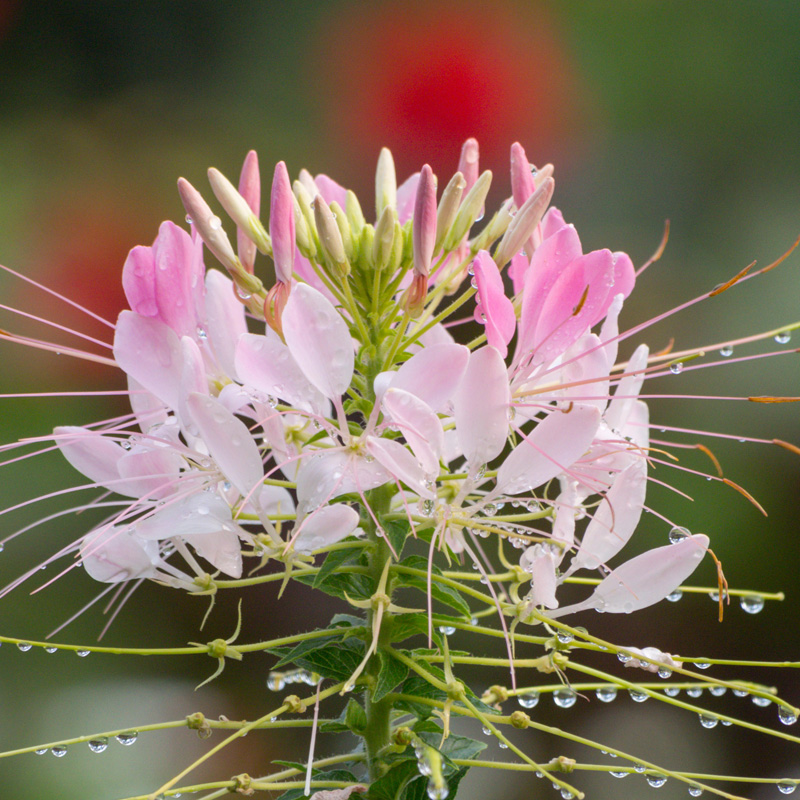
[[326, 526]]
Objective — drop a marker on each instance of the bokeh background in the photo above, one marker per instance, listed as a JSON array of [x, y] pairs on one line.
[[687, 111]]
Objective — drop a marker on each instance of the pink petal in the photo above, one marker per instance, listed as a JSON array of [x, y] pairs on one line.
[[494, 309], [541, 562], [421, 428], [149, 410], [481, 407], [468, 163], [229, 442], [551, 448], [424, 227], [330, 190], [152, 473], [93, 455], [614, 519], [552, 223], [319, 340], [139, 281], [265, 363], [225, 321], [250, 190], [434, 373], [627, 390], [150, 352], [116, 555], [584, 361], [399, 463], [522, 184], [406, 196], [327, 475], [326, 526], [645, 579]]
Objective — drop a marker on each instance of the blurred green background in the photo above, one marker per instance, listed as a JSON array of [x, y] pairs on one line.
[[684, 110]]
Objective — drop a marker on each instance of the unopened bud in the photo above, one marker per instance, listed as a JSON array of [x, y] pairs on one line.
[[399, 247], [250, 190], [524, 223], [497, 226], [344, 229], [330, 238], [239, 211], [353, 211], [208, 226], [424, 231], [468, 162], [413, 299], [305, 202], [385, 183], [384, 236], [302, 231], [307, 179], [281, 224], [448, 208], [469, 211], [519, 719]]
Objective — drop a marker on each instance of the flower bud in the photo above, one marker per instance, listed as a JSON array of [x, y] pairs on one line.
[[330, 238], [281, 224], [448, 208], [424, 230], [208, 226], [497, 226], [384, 236], [250, 190], [344, 229], [468, 162], [522, 184], [469, 211], [302, 232], [385, 183], [305, 201], [524, 223], [240, 212], [353, 211]]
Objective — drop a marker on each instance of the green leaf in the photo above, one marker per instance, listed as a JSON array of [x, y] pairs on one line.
[[396, 533], [339, 584], [411, 624], [454, 746], [398, 783], [336, 559], [289, 654], [444, 594], [333, 775], [330, 658], [355, 718], [392, 672], [347, 621]]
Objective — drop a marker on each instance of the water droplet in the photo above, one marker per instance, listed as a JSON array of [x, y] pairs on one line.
[[656, 780], [564, 698], [678, 534], [565, 637], [702, 664], [786, 787], [126, 445], [787, 716], [664, 672], [201, 332], [751, 603], [624, 657], [447, 630], [437, 792], [82, 653], [529, 700], [189, 220], [59, 751], [695, 791], [214, 222], [671, 691], [276, 681], [24, 646], [640, 768], [41, 751], [489, 509], [740, 692], [567, 794], [676, 369], [708, 721], [726, 351], [606, 694], [784, 337], [427, 507], [673, 597], [50, 649], [502, 745], [127, 738], [637, 696], [717, 691], [762, 702], [695, 691], [486, 731], [98, 745]]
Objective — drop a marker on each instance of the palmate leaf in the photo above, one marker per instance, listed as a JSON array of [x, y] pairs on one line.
[[404, 782], [392, 672], [444, 594], [341, 584], [330, 658], [336, 559]]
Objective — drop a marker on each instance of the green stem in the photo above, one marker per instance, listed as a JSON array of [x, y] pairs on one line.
[[377, 734]]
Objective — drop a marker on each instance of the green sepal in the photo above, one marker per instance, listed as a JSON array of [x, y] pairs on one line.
[[355, 718], [392, 672], [328, 657], [316, 775], [444, 594]]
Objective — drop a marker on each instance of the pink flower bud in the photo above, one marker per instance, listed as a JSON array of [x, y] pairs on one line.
[[281, 223], [424, 231]]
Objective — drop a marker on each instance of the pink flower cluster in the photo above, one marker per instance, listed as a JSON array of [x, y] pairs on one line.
[[266, 440]]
